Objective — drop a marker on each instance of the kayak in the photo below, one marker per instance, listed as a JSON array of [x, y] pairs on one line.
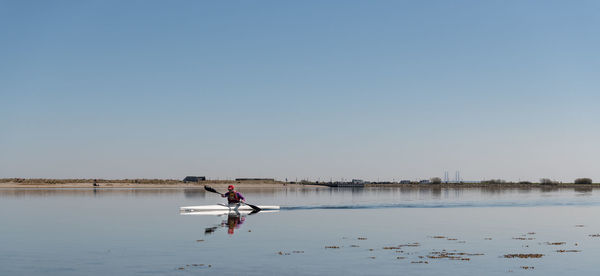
[[222, 213], [224, 207]]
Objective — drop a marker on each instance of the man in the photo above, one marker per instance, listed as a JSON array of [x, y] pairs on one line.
[[233, 196]]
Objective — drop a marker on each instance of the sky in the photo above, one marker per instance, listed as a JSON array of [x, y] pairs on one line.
[[319, 90]]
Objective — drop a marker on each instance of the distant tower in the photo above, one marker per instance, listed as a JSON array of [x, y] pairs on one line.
[[446, 177], [457, 176]]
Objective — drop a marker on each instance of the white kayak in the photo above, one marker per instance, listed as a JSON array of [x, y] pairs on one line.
[[222, 213], [225, 208]]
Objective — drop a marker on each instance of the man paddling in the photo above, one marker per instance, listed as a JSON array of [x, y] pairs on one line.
[[233, 196]]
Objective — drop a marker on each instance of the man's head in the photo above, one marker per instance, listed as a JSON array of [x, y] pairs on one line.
[[230, 187]]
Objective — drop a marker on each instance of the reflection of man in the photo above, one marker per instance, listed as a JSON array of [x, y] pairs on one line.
[[233, 222]]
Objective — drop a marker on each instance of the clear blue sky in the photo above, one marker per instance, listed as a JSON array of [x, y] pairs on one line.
[[300, 89]]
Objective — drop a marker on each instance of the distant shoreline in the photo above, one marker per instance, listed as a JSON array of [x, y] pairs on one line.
[[222, 184]]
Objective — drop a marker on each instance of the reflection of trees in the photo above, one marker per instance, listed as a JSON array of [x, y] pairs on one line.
[[313, 194], [584, 189]]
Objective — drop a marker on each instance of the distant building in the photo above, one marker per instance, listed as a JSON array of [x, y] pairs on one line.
[[425, 181], [404, 181], [194, 179]]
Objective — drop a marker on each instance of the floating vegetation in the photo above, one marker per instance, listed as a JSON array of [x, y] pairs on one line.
[[400, 258], [419, 262], [527, 267], [523, 239], [372, 257], [523, 256], [555, 243], [487, 239], [567, 251], [452, 239], [579, 225], [283, 253], [354, 245], [297, 251], [531, 233], [361, 238], [595, 235], [199, 240], [458, 256], [332, 246], [415, 244], [438, 237], [192, 265]]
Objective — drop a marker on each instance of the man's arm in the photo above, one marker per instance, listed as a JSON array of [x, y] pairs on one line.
[[241, 197]]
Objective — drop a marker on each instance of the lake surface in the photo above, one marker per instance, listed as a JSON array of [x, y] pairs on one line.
[[319, 231]]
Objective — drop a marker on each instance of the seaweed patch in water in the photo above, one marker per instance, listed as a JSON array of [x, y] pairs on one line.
[[523, 256], [457, 256], [567, 251], [414, 244], [555, 243]]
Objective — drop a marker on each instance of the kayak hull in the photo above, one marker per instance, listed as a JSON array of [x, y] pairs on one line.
[[222, 213], [225, 208]]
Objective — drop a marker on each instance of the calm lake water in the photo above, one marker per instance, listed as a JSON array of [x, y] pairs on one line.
[[337, 231]]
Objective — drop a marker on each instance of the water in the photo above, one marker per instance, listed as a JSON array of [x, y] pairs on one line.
[[140, 231]]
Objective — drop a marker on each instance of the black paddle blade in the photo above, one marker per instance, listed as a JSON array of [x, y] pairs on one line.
[[254, 207], [210, 189]]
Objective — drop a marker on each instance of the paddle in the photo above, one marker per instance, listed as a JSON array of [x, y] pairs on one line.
[[210, 189]]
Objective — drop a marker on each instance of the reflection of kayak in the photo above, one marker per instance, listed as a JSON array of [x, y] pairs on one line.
[[225, 208], [222, 213]]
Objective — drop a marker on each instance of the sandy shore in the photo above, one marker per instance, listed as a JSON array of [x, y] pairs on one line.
[[216, 185]]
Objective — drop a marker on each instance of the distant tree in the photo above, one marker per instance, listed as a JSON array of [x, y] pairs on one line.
[[548, 181], [583, 181], [494, 181], [436, 180], [524, 182]]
